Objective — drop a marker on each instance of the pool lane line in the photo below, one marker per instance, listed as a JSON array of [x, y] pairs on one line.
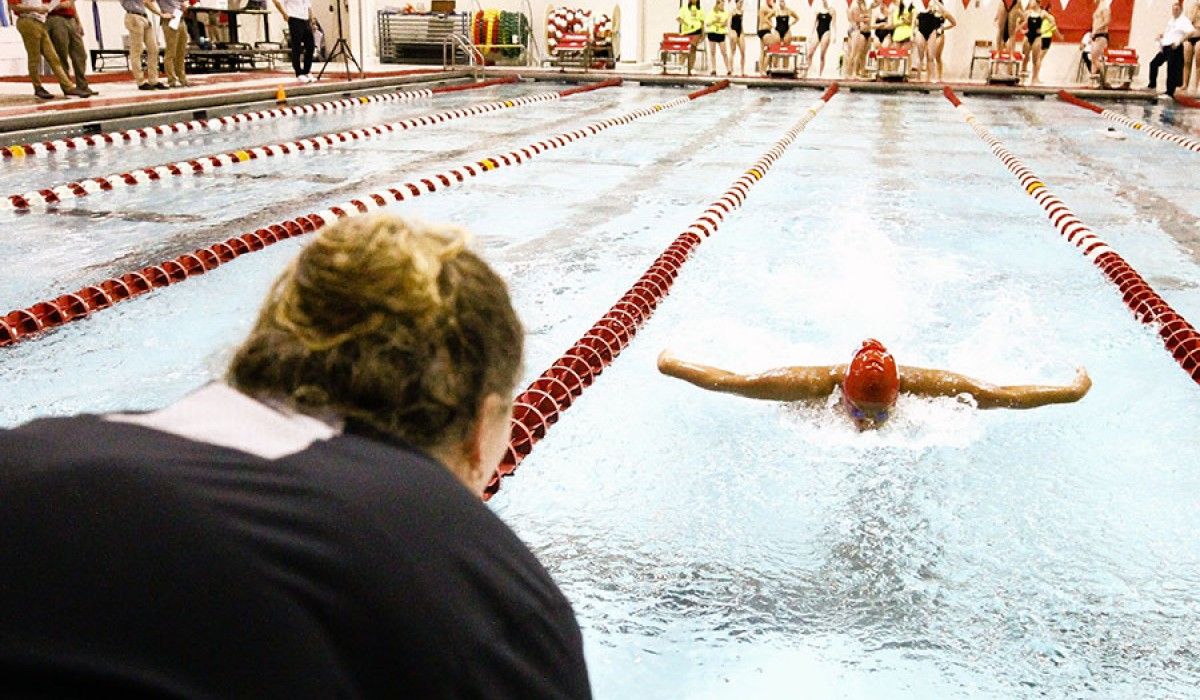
[[129, 136], [207, 163], [23, 324], [1178, 139], [1180, 337], [555, 390], [1186, 101]]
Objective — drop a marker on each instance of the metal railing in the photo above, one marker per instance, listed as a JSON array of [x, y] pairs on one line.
[[452, 44]]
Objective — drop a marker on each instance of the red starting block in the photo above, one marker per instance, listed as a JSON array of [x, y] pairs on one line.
[[786, 60], [1120, 67], [892, 62], [673, 48], [1005, 67]]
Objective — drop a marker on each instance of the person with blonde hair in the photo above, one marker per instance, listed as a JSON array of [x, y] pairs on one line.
[[310, 528]]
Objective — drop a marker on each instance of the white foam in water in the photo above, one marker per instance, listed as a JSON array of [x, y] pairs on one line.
[[719, 547]]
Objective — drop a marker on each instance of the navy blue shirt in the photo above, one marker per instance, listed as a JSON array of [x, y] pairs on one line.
[[145, 562]]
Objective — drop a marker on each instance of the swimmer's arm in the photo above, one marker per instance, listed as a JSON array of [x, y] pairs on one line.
[[936, 382], [949, 20], [783, 384]]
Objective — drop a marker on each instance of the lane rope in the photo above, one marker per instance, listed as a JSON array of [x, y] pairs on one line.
[[1178, 335], [1178, 139], [26, 323], [556, 389], [205, 164], [110, 138]]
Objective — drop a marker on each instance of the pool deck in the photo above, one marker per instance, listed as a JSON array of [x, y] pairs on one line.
[[121, 105]]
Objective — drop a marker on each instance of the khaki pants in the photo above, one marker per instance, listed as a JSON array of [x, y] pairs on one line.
[[68, 44], [37, 45], [143, 36], [177, 41]]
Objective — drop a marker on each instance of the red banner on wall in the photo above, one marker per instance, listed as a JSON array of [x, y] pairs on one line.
[[1076, 20]]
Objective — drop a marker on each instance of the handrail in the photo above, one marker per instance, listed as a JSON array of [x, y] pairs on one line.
[[450, 46]]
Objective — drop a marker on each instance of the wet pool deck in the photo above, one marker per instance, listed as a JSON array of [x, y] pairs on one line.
[[23, 118]]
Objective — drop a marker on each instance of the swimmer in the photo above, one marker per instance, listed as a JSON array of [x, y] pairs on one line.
[[1112, 133], [823, 28], [870, 384], [737, 39]]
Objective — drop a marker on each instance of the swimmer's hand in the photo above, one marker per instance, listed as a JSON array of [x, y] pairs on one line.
[[666, 361], [1082, 383]]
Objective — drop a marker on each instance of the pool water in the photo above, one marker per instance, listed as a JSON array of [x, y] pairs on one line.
[[718, 547]]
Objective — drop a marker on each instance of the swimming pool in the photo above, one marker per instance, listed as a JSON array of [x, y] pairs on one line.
[[720, 547]]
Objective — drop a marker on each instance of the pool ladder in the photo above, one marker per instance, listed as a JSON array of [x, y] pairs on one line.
[[455, 43]]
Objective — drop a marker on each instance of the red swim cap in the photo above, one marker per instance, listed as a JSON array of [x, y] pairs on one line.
[[871, 376]]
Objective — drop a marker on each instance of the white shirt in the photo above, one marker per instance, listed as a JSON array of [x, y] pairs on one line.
[[297, 8], [1177, 30]]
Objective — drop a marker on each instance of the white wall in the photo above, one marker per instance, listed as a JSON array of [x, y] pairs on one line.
[[657, 17]]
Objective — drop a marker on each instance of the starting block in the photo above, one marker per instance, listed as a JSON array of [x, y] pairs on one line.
[[1005, 67], [573, 50], [1120, 68], [786, 60], [892, 62], [674, 50]]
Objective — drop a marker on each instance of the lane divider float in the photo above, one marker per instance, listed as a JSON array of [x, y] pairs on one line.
[[1178, 139], [204, 164], [109, 138], [26, 323], [1178, 335], [555, 390]]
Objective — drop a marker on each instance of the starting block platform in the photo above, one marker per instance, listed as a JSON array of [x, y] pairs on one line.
[[787, 60], [1120, 68], [892, 62], [1005, 67]]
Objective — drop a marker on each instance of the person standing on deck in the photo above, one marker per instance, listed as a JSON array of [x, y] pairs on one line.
[[66, 33], [176, 37], [1100, 21], [31, 24], [300, 36], [143, 36]]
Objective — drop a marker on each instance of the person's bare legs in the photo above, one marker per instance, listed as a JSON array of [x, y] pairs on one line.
[[821, 49], [1189, 55], [1099, 46]]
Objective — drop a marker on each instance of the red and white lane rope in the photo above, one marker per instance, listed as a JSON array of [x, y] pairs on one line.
[[1178, 139], [23, 324], [204, 164], [1186, 101], [539, 406], [1180, 337], [111, 138]]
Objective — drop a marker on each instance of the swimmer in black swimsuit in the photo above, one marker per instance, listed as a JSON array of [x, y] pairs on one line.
[[737, 40], [859, 38], [1191, 50], [937, 40], [823, 26], [881, 22], [783, 21]]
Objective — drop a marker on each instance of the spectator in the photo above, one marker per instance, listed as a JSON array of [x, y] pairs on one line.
[[691, 25], [1170, 49], [314, 528], [31, 24], [143, 36], [176, 37], [716, 24], [300, 35], [66, 33]]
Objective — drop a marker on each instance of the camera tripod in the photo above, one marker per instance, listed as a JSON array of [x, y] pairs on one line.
[[341, 47]]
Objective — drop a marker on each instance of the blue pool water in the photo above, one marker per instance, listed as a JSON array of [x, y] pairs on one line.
[[717, 547]]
